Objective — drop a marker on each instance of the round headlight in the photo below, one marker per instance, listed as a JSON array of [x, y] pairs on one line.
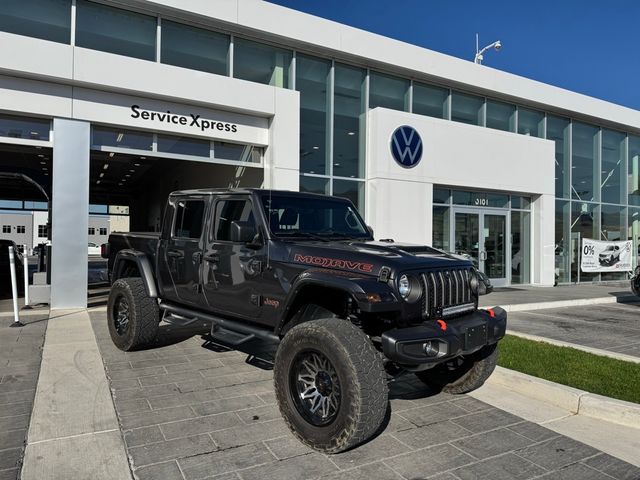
[[474, 282], [404, 286]]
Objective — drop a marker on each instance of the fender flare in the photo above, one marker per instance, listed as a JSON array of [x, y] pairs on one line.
[[357, 286], [144, 267]]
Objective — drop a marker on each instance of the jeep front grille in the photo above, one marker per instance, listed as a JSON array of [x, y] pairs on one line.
[[447, 292]]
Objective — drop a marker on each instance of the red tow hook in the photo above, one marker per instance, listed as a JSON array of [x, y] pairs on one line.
[[442, 324], [491, 313]]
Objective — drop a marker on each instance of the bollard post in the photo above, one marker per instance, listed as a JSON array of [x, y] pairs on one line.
[[14, 289], [25, 268]]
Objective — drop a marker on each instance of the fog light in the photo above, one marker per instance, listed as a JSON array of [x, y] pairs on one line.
[[431, 348]]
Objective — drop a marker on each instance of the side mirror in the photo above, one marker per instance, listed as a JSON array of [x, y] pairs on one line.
[[243, 232], [370, 231]]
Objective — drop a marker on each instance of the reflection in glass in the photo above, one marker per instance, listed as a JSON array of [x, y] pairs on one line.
[[236, 152], [562, 243], [467, 235], [466, 108], [585, 177], [388, 92], [114, 30], [184, 146], [348, 120], [613, 152], [634, 170], [120, 138], [46, 19], [501, 116], [530, 122], [23, 127], [441, 228], [633, 233], [261, 63], [612, 228], [354, 191], [584, 224], [314, 185], [520, 247], [494, 233], [194, 48], [431, 101], [558, 130], [313, 76], [441, 195]]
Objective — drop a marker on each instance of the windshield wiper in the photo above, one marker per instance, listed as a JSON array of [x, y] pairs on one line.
[[306, 235]]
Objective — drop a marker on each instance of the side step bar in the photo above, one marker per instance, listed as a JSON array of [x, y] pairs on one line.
[[222, 323]]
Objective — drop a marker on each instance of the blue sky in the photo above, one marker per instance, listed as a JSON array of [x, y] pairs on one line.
[[588, 46]]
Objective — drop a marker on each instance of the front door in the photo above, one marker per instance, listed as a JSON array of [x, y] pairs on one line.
[[482, 236], [232, 272]]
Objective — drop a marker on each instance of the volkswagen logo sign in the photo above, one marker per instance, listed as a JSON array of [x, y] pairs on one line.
[[406, 146]]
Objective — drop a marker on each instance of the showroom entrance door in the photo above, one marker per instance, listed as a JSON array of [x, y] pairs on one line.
[[482, 235]]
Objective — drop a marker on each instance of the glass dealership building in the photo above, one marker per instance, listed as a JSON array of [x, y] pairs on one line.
[[111, 105]]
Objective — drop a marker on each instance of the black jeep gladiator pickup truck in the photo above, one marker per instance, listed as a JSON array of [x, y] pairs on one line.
[[304, 271]]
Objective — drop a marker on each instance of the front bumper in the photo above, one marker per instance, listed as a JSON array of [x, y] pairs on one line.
[[433, 342]]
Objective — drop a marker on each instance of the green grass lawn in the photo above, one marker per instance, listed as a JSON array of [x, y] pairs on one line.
[[575, 368]]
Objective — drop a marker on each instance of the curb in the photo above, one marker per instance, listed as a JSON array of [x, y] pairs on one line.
[[575, 401], [521, 307], [596, 351]]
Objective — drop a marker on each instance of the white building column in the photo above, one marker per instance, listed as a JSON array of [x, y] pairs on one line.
[[282, 158], [543, 251], [70, 213]]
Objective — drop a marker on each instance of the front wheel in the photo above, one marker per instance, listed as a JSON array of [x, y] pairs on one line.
[[330, 384], [132, 315], [462, 374]]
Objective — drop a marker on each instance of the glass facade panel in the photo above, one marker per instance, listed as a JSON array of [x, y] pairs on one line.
[[530, 122], [612, 228], [314, 185], [431, 101], [633, 233], [116, 137], [585, 177], [584, 224], [520, 247], [354, 191], [558, 130], [184, 146], [633, 171], [114, 30], [23, 127], [563, 245], [466, 108], [194, 48], [236, 152], [441, 195], [313, 76], [612, 163], [46, 19], [388, 92], [261, 63], [501, 116], [441, 230], [348, 121], [521, 203]]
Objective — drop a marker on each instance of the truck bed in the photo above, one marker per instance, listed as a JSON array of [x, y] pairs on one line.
[[146, 242]]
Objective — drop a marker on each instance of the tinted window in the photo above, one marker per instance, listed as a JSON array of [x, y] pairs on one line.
[[194, 48], [261, 63], [46, 19], [189, 215], [115, 30], [229, 211], [313, 217]]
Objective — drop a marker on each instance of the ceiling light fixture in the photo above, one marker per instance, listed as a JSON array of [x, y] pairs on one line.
[[120, 137], [105, 166], [111, 154], [315, 147], [137, 164], [351, 134], [101, 174], [98, 182]]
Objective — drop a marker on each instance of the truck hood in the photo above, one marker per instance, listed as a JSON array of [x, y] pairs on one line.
[[369, 257]]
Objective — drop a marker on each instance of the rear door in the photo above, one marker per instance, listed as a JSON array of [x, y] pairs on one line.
[[232, 272], [180, 250]]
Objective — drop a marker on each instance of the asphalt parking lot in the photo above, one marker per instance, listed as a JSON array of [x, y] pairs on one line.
[[190, 412], [614, 326]]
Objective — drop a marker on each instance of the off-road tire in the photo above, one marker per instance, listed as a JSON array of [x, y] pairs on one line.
[[143, 314], [362, 382], [462, 375]]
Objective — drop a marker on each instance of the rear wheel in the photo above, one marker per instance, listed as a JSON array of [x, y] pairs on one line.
[[330, 384], [132, 315], [462, 374]]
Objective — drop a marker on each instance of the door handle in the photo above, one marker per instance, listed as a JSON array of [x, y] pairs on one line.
[[483, 255], [174, 253], [212, 258]]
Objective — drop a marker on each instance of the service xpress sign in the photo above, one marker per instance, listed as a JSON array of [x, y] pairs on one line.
[[598, 256], [192, 120]]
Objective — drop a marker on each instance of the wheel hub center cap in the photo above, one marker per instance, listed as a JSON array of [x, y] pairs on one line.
[[324, 383]]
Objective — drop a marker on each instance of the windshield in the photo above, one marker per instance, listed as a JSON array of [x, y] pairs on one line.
[[318, 218]]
